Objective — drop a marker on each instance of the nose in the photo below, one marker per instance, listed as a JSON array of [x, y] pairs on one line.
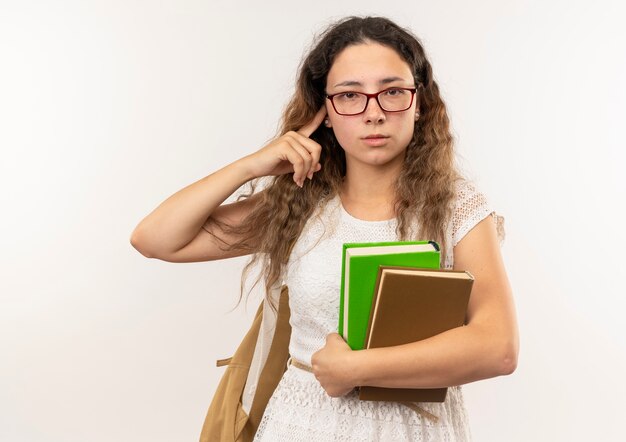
[[373, 112]]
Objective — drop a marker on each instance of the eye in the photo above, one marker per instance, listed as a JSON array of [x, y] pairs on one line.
[[395, 92], [348, 96]]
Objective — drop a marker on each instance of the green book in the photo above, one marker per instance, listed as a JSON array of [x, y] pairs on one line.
[[359, 268]]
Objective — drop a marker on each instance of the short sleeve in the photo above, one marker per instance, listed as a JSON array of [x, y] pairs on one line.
[[471, 207]]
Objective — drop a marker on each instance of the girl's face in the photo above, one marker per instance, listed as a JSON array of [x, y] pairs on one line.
[[370, 68]]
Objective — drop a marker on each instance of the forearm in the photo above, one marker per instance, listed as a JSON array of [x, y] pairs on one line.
[[455, 357], [178, 219]]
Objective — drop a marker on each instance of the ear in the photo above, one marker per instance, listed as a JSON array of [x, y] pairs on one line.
[[327, 122]]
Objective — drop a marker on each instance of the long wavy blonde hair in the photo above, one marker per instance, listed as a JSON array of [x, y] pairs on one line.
[[425, 186]]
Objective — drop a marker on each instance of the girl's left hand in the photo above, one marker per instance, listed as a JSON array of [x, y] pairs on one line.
[[331, 366]]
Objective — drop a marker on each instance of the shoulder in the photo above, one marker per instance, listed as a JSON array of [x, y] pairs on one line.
[[471, 206]]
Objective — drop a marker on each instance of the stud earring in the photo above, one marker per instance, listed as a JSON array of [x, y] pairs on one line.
[[417, 115], [326, 123]]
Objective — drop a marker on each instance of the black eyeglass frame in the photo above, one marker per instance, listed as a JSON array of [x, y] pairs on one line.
[[375, 95]]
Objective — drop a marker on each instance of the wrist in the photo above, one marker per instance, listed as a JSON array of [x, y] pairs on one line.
[[245, 167], [357, 365]]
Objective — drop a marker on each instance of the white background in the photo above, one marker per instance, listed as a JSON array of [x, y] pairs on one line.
[[108, 107]]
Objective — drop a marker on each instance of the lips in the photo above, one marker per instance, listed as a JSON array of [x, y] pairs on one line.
[[375, 140]]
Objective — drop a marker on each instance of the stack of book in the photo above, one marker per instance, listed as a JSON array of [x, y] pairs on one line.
[[394, 293]]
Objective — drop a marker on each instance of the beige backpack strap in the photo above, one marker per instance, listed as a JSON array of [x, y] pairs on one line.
[[274, 367]]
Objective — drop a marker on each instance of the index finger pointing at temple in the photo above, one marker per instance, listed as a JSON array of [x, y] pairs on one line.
[[310, 127]]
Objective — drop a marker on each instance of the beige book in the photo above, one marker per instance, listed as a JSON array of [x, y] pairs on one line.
[[411, 304]]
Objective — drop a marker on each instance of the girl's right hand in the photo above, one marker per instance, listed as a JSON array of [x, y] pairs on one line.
[[292, 152]]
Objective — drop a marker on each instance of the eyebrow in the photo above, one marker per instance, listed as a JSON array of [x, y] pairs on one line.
[[357, 83]]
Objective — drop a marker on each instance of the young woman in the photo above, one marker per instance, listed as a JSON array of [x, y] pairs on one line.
[[365, 154]]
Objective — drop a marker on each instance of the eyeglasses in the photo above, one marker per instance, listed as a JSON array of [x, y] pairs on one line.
[[394, 99]]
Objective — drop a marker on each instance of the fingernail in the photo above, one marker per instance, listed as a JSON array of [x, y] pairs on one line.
[[310, 175]]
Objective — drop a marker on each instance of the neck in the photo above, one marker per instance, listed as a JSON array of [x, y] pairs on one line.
[[368, 192], [366, 184]]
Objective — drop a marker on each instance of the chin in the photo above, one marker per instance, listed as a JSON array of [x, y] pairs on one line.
[[381, 158]]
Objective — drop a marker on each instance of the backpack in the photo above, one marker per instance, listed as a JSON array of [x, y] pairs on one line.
[[251, 375]]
